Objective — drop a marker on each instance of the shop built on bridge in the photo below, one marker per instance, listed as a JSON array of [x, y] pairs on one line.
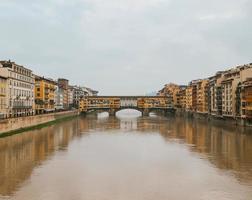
[[113, 104]]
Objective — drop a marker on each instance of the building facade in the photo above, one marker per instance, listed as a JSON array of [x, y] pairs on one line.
[[59, 98], [182, 98], [20, 89], [202, 96], [232, 79], [3, 92], [78, 94], [189, 100], [89, 91], [173, 91], [215, 94], [44, 95], [246, 99], [191, 96], [70, 96], [63, 90]]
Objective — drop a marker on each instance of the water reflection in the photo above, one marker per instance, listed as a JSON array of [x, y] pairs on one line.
[[226, 149], [20, 154]]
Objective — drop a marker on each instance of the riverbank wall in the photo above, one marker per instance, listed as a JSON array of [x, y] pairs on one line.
[[213, 118], [16, 124]]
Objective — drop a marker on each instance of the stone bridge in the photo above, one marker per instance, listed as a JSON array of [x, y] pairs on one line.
[[113, 104]]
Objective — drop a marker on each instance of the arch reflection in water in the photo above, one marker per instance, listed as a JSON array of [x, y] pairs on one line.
[[225, 149], [128, 113]]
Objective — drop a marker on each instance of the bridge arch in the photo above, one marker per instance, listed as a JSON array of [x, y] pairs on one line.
[[129, 108], [121, 111]]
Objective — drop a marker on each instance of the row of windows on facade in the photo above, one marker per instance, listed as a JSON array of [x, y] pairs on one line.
[[22, 70], [21, 84], [248, 104], [46, 90], [21, 77], [20, 103], [244, 104], [46, 96], [22, 93]]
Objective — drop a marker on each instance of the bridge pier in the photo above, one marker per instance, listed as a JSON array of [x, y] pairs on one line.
[[169, 113], [112, 112], [145, 112]]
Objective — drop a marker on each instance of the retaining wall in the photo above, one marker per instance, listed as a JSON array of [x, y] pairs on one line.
[[216, 119], [29, 121]]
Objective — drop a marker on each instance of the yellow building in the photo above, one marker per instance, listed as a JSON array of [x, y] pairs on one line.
[[189, 99], [154, 102], [172, 90], [3, 93], [44, 95], [181, 98], [94, 102], [83, 105], [202, 96]]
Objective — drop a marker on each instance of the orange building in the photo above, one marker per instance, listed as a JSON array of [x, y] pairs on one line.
[[202, 96], [181, 97], [44, 95], [173, 91], [189, 99], [246, 99]]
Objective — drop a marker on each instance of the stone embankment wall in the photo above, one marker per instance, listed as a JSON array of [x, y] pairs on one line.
[[13, 124]]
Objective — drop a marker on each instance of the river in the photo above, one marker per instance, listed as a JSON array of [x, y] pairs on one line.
[[127, 158]]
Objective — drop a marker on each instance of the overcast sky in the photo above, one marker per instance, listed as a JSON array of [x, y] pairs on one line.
[[126, 47]]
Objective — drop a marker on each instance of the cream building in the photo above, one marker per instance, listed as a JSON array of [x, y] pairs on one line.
[[70, 96], [215, 94], [3, 92], [20, 89], [229, 85], [59, 98], [63, 90], [78, 94]]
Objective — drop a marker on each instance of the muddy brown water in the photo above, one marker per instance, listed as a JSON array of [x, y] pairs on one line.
[[127, 158]]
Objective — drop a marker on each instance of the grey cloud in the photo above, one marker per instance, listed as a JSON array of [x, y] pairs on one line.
[[126, 46]]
